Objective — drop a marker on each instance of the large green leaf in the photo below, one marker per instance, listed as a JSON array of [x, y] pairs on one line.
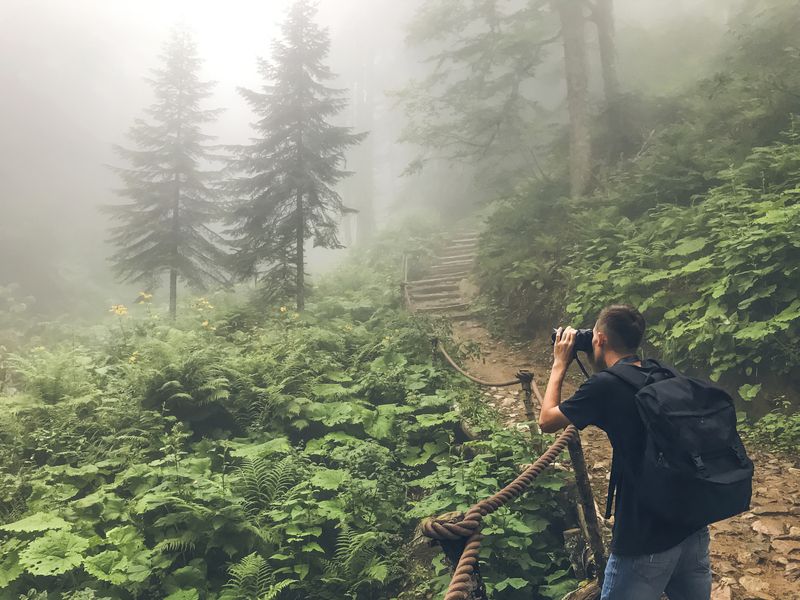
[[10, 567], [39, 521], [688, 247], [329, 479], [109, 566], [55, 553]]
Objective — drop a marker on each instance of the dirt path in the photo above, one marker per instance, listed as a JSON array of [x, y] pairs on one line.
[[755, 556]]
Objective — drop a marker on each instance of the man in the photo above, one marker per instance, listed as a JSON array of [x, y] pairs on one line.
[[648, 555]]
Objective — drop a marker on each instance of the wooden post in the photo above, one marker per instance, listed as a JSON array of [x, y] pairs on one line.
[[526, 380], [585, 499], [587, 504]]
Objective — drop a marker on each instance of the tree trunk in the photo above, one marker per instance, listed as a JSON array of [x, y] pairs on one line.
[[300, 259], [574, 35], [173, 271], [604, 20]]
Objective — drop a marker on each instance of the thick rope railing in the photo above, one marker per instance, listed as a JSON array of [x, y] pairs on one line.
[[437, 345], [470, 526]]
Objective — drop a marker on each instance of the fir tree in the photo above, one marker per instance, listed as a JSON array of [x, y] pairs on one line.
[[165, 225], [285, 189]]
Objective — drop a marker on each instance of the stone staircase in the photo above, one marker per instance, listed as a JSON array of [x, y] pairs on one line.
[[443, 291]]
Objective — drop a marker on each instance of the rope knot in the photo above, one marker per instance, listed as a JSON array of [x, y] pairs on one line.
[[452, 526]]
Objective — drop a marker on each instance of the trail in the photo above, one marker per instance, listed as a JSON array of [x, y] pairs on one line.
[[754, 556]]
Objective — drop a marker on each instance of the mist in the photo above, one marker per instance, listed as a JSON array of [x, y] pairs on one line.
[[73, 76]]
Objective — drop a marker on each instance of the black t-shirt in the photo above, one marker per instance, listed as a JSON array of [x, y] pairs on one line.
[[606, 401]]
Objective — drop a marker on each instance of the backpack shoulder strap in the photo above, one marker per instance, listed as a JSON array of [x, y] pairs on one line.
[[629, 374], [637, 380]]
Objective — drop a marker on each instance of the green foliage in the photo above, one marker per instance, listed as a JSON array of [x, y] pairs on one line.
[[698, 228], [518, 553], [252, 579], [718, 280], [778, 430], [289, 457], [54, 553], [55, 375]]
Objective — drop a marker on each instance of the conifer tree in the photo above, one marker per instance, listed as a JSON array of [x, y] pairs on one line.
[[164, 227], [285, 186]]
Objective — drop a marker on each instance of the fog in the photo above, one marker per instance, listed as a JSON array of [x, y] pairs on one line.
[[72, 79]]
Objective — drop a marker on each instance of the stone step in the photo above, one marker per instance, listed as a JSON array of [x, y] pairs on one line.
[[452, 272], [451, 295], [441, 264], [425, 288], [435, 281], [448, 257], [464, 240], [439, 308]]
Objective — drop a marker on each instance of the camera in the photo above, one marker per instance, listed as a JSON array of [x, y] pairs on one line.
[[583, 340]]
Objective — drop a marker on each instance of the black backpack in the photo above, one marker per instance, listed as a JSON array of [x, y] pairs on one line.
[[694, 469]]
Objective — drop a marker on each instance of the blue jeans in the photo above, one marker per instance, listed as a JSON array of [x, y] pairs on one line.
[[683, 572]]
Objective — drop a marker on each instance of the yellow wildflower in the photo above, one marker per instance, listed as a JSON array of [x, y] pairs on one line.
[[119, 309], [283, 309], [144, 297], [295, 315], [205, 323], [133, 357], [202, 304]]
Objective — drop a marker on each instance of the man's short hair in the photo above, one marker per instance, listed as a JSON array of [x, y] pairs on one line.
[[624, 325]]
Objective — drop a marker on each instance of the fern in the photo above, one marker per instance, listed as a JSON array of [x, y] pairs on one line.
[[262, 484], [252, 579], [356, 561]]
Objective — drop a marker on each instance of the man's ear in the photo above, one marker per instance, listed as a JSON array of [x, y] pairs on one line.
[[601, 338]]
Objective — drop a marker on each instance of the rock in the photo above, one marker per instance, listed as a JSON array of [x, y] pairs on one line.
[[772, 508], [752, 585], [785, 546], [722, 527], [770, 527], [793, 571], [724, 566], [721, 591]]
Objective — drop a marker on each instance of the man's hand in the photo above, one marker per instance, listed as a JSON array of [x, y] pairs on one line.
[[551, 419], [564, 348]]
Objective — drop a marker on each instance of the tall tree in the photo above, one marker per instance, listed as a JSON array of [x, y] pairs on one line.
[[483, 101], [165, 225], [285, 191], [477, 103], [573, 33]]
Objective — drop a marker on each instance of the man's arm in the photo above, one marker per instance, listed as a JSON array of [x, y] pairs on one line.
[[551, 419]]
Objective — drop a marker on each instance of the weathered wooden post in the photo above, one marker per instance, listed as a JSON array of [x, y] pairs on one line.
[[585, 498], [526, 381]]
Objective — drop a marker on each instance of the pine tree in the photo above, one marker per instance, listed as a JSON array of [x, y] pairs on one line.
[[284, 192], [165, 225], [478, 102]]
